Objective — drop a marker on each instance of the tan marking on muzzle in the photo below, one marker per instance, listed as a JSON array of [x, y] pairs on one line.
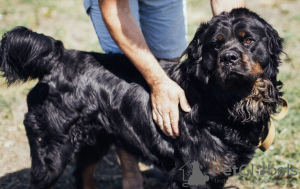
[[256, 69], [245, 58], [246, 61]]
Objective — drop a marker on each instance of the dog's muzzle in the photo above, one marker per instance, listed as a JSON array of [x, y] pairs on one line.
[[229, 59]]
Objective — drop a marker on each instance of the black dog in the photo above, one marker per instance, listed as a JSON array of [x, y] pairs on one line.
[[86, 101]]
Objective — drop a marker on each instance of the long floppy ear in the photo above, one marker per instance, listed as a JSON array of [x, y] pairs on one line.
[[193, 54], [259, 105], [265, 95], [275, 49]]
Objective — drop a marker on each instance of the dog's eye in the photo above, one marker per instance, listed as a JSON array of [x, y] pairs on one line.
[[248, 41], [217, 46]]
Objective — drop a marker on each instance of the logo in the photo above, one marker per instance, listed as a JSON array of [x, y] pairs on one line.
[[197, 178]]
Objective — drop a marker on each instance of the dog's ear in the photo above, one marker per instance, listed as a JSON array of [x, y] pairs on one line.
[[275, 45], [193, 51], [259, 104], [193, 55]]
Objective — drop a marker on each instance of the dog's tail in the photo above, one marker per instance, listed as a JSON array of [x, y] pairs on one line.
[[27, 55]]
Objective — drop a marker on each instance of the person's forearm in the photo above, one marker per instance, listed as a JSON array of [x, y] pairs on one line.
[[219, 6], [128, 36], [165, 93]]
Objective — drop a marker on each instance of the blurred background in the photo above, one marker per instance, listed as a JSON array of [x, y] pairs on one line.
[[67, 21]]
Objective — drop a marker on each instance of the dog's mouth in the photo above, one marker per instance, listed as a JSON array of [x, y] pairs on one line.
[[236, 71], [234, 66], [231, 73]]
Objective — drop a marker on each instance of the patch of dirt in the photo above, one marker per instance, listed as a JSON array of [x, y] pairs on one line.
[[108, 175]]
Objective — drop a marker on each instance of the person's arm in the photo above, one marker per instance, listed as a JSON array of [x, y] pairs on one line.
[[165, 93], [219, 6]]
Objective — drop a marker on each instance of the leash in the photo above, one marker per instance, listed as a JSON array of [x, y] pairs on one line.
[[265, 142]]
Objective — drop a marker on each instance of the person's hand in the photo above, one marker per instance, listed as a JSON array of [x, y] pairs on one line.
[[165, 97]]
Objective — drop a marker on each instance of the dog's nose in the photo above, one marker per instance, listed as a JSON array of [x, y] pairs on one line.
[[229, 58]]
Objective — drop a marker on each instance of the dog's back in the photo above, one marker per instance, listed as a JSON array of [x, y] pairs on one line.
[[81, 99]]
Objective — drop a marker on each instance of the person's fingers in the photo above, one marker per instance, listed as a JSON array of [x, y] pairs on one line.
[[167, 125], [165, 99], [174, 118], [160, 123], [159, 120], [154, 115], [184, 103]]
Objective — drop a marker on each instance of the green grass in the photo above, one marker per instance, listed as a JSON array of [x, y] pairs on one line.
[[66, 20]]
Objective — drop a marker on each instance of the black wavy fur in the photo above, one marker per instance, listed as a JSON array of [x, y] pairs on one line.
[[85, 101]]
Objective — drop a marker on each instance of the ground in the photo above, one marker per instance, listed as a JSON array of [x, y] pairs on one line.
[[66, 20]]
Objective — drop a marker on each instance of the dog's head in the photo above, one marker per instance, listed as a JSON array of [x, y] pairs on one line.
[[238, 52]]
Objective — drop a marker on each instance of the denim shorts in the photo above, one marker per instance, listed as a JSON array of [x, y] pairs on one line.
[[163, 23]]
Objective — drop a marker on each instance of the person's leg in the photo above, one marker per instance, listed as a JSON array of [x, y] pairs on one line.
[[219, 6], [132, 178], [106, 42], [163, 23], [87, 160]]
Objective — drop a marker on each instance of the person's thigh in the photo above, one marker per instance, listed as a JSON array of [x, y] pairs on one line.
[[163, 23], [106, 42]]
